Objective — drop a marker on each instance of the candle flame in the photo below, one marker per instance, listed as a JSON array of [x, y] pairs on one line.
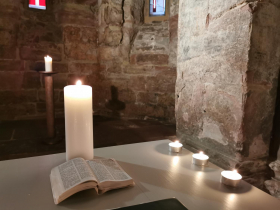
[[48, 58], [235, 171], [79, 82], [176, 141], [201, 152]]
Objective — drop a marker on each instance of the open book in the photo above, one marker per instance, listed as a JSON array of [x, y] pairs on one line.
[[78, 174]]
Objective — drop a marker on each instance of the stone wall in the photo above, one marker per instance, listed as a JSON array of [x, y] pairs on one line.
[[228, 65], [130, 65]]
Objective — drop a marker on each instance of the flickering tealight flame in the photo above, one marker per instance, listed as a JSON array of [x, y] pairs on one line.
[[79, 82], [201, 152], [235, 171], [176, 141]]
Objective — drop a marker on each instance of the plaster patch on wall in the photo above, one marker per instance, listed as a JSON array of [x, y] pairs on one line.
[[186, 117], [212, 131], [258, 148]]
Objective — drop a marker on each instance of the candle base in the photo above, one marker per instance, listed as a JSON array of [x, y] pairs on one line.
[[175, 149], [199, 162], [229, 182]]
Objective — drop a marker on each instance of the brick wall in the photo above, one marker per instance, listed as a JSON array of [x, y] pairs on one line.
[[130, 65]]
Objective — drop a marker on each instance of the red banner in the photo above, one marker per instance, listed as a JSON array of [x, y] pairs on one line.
[[37, 4]]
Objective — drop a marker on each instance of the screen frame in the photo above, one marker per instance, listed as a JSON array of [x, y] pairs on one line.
[[150, 19]]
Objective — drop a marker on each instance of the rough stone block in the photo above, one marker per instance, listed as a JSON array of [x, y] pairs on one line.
[[165, 70], [36, 65], [167, 100], [135, 69], [16, 97], [41, 107], [31, 80], [73, 14], [150, 59], [113, 14], [147, 98], [137, 83], [127, 95], [144, 110], [11, 65], [173, 29], [113, 35], [163, 84], [33, 31], [80, 51], [114, 68], [38, 52], [84, 68], [60, 67], [8, 51], [42, 95], [11, 80], [60, 80], [10, 112], [8, 37], [108, 53], [75, 34]]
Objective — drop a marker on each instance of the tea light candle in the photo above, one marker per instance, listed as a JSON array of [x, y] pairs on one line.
[[200, 159], [48, 64], [175, 146], [230, 178], [78, 121]]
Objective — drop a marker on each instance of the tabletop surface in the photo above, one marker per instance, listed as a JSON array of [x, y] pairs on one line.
[[158, 174]]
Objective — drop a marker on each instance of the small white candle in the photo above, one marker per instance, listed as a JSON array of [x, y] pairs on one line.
[[78, 121], [200, 159], [230, 178], [48, 64], [175, 146]]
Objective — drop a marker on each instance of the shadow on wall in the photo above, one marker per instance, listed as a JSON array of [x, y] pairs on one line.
[[115, 104]]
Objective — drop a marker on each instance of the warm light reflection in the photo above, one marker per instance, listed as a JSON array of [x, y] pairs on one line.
[[231, 201], [198, 177], [79, 82], [231, 197], [175, 160]]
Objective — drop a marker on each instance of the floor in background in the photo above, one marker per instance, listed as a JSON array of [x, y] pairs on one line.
[[19, 139]]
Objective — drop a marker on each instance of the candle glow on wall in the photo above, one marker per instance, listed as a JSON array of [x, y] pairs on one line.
[[37, 4], [157, 7]]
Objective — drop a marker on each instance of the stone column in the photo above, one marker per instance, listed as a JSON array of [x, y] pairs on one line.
[[228, 65]]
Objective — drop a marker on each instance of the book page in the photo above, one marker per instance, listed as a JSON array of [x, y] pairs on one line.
[[108, 170], [75, 172]]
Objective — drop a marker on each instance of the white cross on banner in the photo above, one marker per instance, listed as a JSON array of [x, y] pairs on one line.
[[37, 4]]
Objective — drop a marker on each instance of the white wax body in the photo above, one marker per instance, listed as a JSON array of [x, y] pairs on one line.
[[175, 147], [48, 65], [78, 121], [231, 175]]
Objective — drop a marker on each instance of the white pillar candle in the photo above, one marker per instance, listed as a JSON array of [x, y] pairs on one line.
[[175, 146], [48, 64], [78, 121], [200, 159], [230, 178]]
